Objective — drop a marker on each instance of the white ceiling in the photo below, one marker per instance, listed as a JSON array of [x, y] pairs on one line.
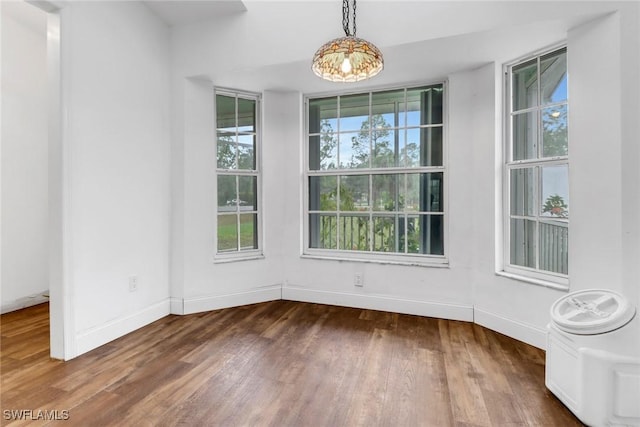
[[177, 12], [420, 39], [26, 14]]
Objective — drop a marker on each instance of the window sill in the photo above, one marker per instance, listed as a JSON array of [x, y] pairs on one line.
[[534, 281], [225, 259], [432, 262]]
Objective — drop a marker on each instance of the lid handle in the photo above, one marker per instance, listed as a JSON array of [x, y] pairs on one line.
[[587, 306]]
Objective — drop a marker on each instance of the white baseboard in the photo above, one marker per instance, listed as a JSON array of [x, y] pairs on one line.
[[176, 305], [99, 335], [512, 328], [379, 302], [216, 302], [24, 302]]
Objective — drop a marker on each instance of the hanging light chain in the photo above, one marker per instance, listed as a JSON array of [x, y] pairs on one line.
[[354, 18], [345, 18]]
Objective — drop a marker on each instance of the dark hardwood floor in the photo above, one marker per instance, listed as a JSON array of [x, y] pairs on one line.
[[280, 363]]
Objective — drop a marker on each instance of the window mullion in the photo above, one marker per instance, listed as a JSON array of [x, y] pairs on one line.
[[338, 211], [539, 110], [370, 242], [538, 169]]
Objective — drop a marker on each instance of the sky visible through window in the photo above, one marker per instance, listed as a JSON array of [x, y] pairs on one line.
[[351, 126]]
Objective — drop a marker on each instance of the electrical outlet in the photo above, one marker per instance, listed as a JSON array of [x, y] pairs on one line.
[[133, 283], [358, 280]]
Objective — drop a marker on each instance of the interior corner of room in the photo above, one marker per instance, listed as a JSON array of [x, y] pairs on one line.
[[129, 177]]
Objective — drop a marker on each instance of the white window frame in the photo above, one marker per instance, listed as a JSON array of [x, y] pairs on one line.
[[425, 260], [239, 254], [531, 275]]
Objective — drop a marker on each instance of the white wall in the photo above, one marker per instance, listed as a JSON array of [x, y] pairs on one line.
[[198, 283], [630, 135], [24, 156], [604, 175], [116, 93], [469, 288], [140, 195]]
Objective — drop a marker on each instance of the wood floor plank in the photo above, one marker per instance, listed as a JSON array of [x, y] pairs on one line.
[[367, 404], [281, 363]]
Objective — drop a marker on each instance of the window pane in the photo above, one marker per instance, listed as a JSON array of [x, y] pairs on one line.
[[226, 113], [555, 191], [424, 106], [433, 231], [246, 152], [323, 231], [411, 147], [323, 152], [524, 85], [354, 150], [525, 136], [354, 232], [554, 247], [413, 235], [384, 148], [226, 193], [386, 192], [431, 146], [432, 185], [424, 192], [554, 131], [523, 242], [385, 234], [246, 115], [323, 115], [323, 192], [425, 234], [522, 185], [314, 152], [354, 112], [248, 232], [412, 192], [247, 186], [226, 150], [388, 109], [553, 77], [354, 193], [227, 233]]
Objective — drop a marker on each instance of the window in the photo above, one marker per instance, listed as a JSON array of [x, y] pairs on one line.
[[375, 175], [238, 174], [537, 168]]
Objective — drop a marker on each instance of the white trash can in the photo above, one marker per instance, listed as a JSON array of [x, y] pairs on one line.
[[593, 357]]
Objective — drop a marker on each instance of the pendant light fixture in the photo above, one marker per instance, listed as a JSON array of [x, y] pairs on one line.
[[347, 59]]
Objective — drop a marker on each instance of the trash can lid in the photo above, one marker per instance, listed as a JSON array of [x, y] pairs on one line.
[[592, 311]]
